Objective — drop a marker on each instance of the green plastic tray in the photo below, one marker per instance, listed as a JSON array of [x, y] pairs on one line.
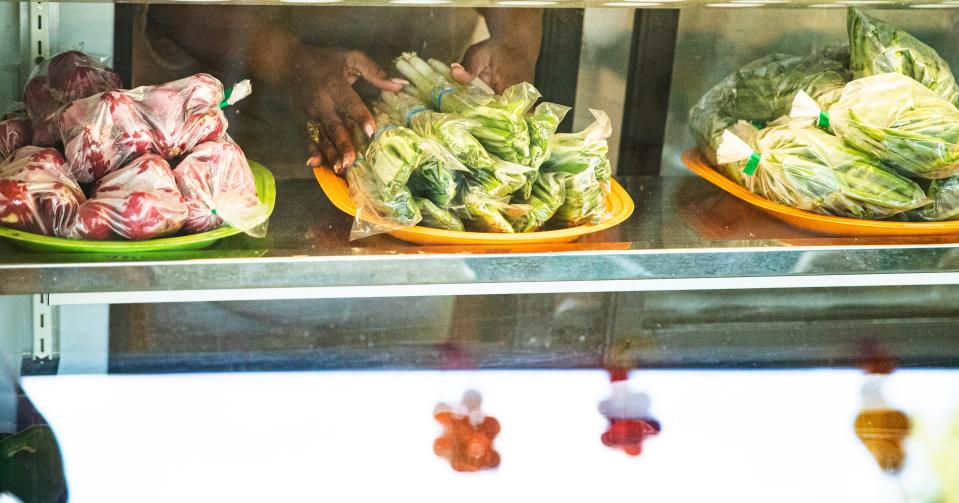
[[265, 189]]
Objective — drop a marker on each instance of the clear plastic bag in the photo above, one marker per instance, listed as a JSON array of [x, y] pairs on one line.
[[481, 212], [547, 195], [139, 201], [584, 202], [944, 194], [454, 133], [36, 193], [896, 119], [217, 185], [877, 47], [15, 132], [542, 123], [577, 152], [436, 217], [66, 77], [803, 167], [762, 91], [503, 180], [103, 132]]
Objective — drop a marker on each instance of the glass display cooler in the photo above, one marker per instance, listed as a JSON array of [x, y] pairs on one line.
[[700, 348]]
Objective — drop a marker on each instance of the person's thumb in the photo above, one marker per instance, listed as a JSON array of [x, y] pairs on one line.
[[362, 65], [461, 74]]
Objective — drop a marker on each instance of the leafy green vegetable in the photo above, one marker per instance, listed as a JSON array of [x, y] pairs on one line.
[[454, 133], [804, 167], [577, 152], [434, 180], [378, 209], [762, 91], [503, 130], [480, 212], [585, 201], [896, 119], [503, 180], [944, 194], [542, 126], [877, 47], [436, 217], [547, 195]]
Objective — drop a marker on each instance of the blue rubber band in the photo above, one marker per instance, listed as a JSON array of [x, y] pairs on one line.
[[438, 97], [413, 111], [380, 131]]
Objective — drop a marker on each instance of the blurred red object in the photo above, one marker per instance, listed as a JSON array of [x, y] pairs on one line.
[[468, 435], [629, 434], [36, 194]]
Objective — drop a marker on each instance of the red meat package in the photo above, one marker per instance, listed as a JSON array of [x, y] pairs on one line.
[[139, 201], [217, 184], [66, 77], [36, 193], [15, 132], [101, 133]]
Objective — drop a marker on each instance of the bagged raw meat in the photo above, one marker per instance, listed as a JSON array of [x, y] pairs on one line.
[[42, 108], [74, 75], [36, 193], [217, 184], [103, 132], [66, 77], [139, 201], [15, 132]]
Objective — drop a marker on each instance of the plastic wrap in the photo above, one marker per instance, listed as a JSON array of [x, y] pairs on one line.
[[66, 77], [548, 195], [577, 152], [584, 203], [139, 201], [36, 194], [453, 132], [762, 91], [877, 47], [436, 217], [803, 167], [542, 123], [899, 121], [482, 213], [435, 180], [503, 132], [15, 132], [378, 182], [944, 194], [103, 132], [503, 180], [217, 185]]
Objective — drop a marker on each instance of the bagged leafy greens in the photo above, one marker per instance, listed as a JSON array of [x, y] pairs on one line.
[[435, 180], [503, 180], [894, 118], [576, 152], [585, 202], [876, 47], [804, 167], [480, 212], [762, 91], [454, 133], [436, 217], [503, 130], [542, 123], [944, 194], [547, 195]]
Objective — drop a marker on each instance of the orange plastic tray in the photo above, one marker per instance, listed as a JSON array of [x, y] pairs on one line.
[[619, 206], [823, 224]]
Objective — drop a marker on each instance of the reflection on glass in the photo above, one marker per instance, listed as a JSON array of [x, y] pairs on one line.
[[630, 422], [468, 435], [880, 427]]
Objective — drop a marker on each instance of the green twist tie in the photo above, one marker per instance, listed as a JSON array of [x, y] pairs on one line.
[[823, 121], [226, 98], [213, 211], [751, 164]]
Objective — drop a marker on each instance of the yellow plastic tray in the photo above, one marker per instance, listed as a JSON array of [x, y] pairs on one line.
[[619, 207], [823, 224]]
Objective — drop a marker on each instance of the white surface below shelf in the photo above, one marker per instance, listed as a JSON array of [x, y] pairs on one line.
[[784, 436]]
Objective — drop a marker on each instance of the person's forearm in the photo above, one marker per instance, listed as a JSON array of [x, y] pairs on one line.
[[228, 38], [520, 27]]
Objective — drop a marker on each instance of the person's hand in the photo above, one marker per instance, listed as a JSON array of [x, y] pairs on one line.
[[321, 84], [499, 63]]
